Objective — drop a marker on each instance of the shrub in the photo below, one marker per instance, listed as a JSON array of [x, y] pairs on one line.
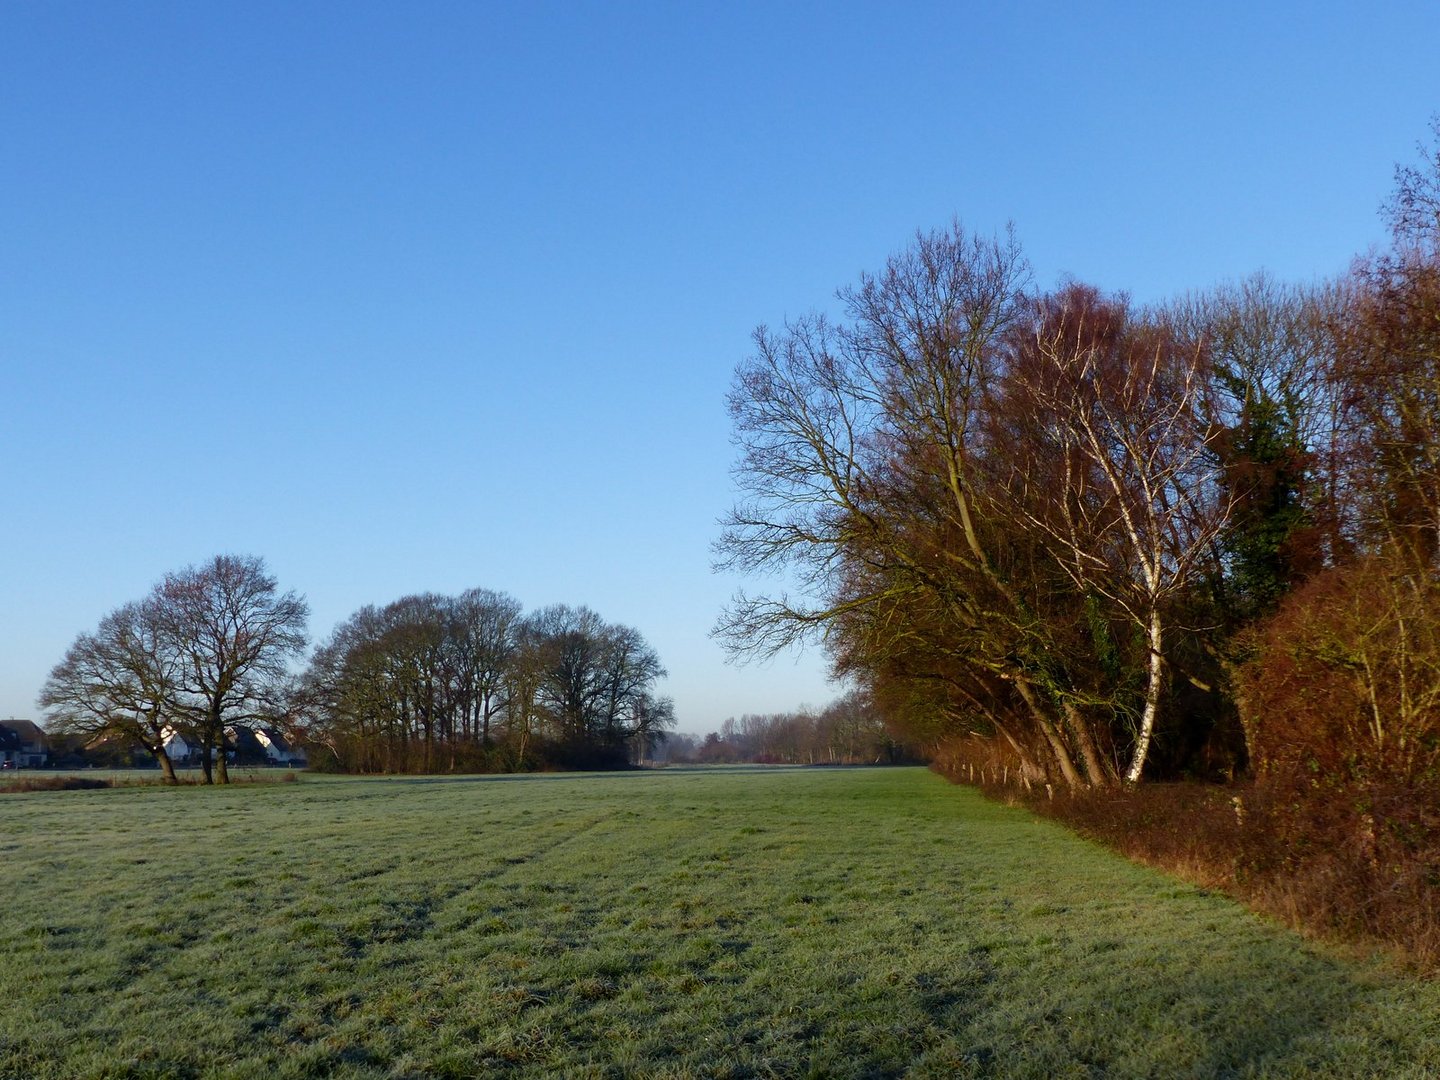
[[1360, 865], [1343, 685], [52, 783]]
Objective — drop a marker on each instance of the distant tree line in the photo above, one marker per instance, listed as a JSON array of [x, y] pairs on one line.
[[469, 683], [1091, 542], [848, 731]]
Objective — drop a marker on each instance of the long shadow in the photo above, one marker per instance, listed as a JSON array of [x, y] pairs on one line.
[[558, 777], [1231, 1020]]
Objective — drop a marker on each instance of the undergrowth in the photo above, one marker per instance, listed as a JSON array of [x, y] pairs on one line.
[[1352, 864], [21, 785]]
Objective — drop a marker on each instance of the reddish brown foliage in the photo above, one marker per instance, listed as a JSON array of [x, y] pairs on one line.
[[1344, 682]]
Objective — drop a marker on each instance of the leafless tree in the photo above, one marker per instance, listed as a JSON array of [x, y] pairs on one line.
[[118, 682], [1132, 506], [864, 466], [652, 721], [484, 645], [232, 635]]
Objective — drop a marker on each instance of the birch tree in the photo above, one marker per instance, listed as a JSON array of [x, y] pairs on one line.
[[1132, 506]]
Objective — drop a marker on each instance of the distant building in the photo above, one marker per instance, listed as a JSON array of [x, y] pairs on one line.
[[24, 745], [278, 749], [243, 746], [179, 750], [9, 747]]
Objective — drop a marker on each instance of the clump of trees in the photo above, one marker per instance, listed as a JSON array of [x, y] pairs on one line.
[[207, 651], [1102, 541], [434, 683], [1344, 679], [1072, 543], [1000, 503], [428, 683]]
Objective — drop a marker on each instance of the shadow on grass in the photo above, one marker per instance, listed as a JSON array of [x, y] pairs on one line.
[[621, 774], [1284, 1019], [1041, 1011]]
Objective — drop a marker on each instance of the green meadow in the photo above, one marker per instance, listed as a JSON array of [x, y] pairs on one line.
[[684, 923]]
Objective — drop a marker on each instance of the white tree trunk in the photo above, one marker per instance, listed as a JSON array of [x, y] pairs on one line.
[[1152, 701]]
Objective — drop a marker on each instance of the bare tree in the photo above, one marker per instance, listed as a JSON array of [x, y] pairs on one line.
[[596, 677], [652, 721], [1275, 418], [524, 676], [1414, 209], [630, 669], [233, 635], [569, 640], [118, 682], [344, 691], [1132, 507], [485, 634], [864, 467], [1388, 371]]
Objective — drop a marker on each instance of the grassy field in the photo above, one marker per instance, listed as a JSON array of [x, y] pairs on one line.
[[684, 923]]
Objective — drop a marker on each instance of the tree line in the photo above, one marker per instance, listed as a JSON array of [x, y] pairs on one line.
[[1095, 541], [427, 683], [849, 731]]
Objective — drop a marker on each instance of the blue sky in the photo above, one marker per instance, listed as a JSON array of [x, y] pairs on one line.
[[426, 296]]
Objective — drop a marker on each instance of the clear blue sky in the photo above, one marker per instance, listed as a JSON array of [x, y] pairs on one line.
[[426, 296]]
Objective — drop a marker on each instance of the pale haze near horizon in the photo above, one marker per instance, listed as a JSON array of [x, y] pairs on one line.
[[426, 297]]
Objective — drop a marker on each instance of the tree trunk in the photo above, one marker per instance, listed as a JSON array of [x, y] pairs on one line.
[[1028, 765], [1098, 769], [167, 767], [1057, 744], [1152, 701]]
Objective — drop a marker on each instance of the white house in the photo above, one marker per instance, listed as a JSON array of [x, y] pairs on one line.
[[246, 745], [278, 750], [179, 749], [26, 747]]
